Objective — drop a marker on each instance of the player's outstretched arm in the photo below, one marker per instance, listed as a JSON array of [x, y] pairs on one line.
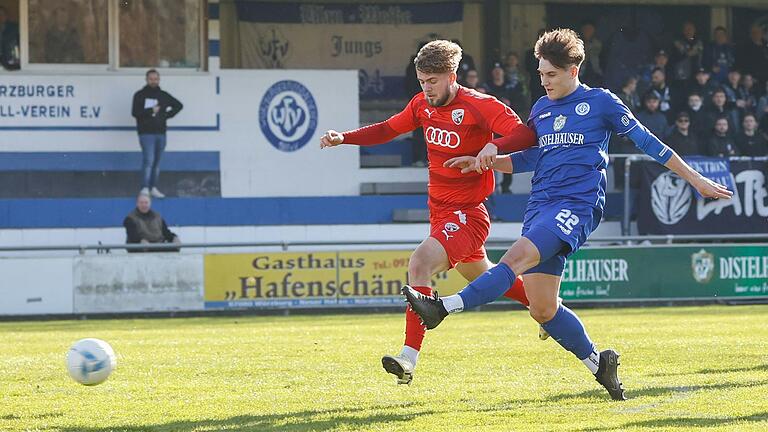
[[706, 187], [467, 164], [653, 147]]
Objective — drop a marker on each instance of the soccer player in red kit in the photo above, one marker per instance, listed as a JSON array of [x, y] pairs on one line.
[[457, 121]]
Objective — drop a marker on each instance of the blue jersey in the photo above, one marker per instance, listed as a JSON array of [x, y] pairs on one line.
[[572, 153]]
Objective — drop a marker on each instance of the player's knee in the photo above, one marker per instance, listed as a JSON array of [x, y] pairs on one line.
[[418, 270], [542, 313], [519, 263]]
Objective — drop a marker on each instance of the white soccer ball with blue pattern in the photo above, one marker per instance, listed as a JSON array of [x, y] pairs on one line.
[[90, 361]]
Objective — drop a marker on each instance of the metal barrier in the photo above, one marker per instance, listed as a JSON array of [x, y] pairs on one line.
[[286, 245]]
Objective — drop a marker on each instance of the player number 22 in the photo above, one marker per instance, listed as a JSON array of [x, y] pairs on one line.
[[567, 218]]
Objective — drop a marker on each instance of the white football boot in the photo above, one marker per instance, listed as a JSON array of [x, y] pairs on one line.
[[399, 366]]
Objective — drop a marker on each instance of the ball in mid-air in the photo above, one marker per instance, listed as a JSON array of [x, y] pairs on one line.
[[90, 361]]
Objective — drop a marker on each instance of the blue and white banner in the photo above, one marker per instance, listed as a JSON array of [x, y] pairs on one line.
[[376, 39], [98, 103], [666, 204], [259, 128], [714, 168]]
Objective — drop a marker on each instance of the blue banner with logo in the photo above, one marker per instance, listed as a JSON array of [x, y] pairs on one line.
[[666, 204], [714, 168], [378, 39]]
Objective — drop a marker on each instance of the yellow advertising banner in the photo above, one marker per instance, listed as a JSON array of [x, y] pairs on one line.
[[305, 279]]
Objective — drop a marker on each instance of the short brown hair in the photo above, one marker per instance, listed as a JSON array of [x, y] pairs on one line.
[[561, 47], [438, 56]]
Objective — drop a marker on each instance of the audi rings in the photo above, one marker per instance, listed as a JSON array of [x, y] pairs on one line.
[[442, 138]]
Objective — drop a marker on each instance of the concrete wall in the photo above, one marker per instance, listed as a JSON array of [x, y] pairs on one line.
[[137, 283]]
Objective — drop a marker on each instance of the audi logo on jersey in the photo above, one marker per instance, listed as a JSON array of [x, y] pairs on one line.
[[442, 138]]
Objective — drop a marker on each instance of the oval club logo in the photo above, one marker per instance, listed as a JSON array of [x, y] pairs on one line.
[[288, 115]]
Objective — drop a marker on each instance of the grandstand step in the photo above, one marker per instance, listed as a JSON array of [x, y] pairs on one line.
[[410, 215], [393, 188], [380, 161], [104, 184]]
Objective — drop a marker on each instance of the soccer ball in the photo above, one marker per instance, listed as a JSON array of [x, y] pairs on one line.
[[90, 361]]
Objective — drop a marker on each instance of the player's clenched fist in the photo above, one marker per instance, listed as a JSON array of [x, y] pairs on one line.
[[331, 139]]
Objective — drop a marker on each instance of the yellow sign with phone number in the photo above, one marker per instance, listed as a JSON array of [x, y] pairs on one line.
[[287, 279]]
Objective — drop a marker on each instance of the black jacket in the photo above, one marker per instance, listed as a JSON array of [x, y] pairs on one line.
[[755, 145], [146, 121], [721, 146], [684, 145]]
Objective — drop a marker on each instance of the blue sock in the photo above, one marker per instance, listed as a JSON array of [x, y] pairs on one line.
[[488, 287], [567, 329]]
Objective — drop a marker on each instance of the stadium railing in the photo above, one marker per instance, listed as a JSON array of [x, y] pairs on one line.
[[288, 245]]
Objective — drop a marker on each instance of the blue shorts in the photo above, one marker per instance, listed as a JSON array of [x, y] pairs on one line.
[[570, 221]]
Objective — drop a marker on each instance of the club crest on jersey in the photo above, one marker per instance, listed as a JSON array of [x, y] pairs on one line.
[[457, 115], [582, 109], [559, 123], [625, 120], [451, 227]]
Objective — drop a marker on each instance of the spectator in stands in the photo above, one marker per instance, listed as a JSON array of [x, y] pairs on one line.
[[763, 128], [746, 93], [151, 108], [688, 49], [628, 94], [144, 225], [498, 86], [473, 81], [682, 140], [650, 116], [62, 41], [750, 142], [703, 85], [720, 56], [762, 105], [591, 72], [752, 56], [660, 61], [516, 77], [698, 116], [731, 88], [660, 87], [466, 63], [9, 41], [719, 108], [721, 143]]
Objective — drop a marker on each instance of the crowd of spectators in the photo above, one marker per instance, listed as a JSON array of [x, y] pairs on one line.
[[701, 97]]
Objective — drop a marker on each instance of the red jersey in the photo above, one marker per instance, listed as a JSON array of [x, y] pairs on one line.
[[461, 128]]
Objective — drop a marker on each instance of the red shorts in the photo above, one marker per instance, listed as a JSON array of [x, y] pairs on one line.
[[462, 232]]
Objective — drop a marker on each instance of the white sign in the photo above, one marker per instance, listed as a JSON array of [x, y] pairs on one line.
[[265, 125], [36, 286]]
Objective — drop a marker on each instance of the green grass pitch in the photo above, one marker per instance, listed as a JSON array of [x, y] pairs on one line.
[[691, 368]]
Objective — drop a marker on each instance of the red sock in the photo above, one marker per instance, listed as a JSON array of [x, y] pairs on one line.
[[517, 292], [414, 330]]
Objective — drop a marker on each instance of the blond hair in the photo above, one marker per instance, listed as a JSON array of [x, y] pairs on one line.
[[438, 56]]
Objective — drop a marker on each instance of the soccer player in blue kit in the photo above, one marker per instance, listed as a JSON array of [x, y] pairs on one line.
[[573, 124]]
